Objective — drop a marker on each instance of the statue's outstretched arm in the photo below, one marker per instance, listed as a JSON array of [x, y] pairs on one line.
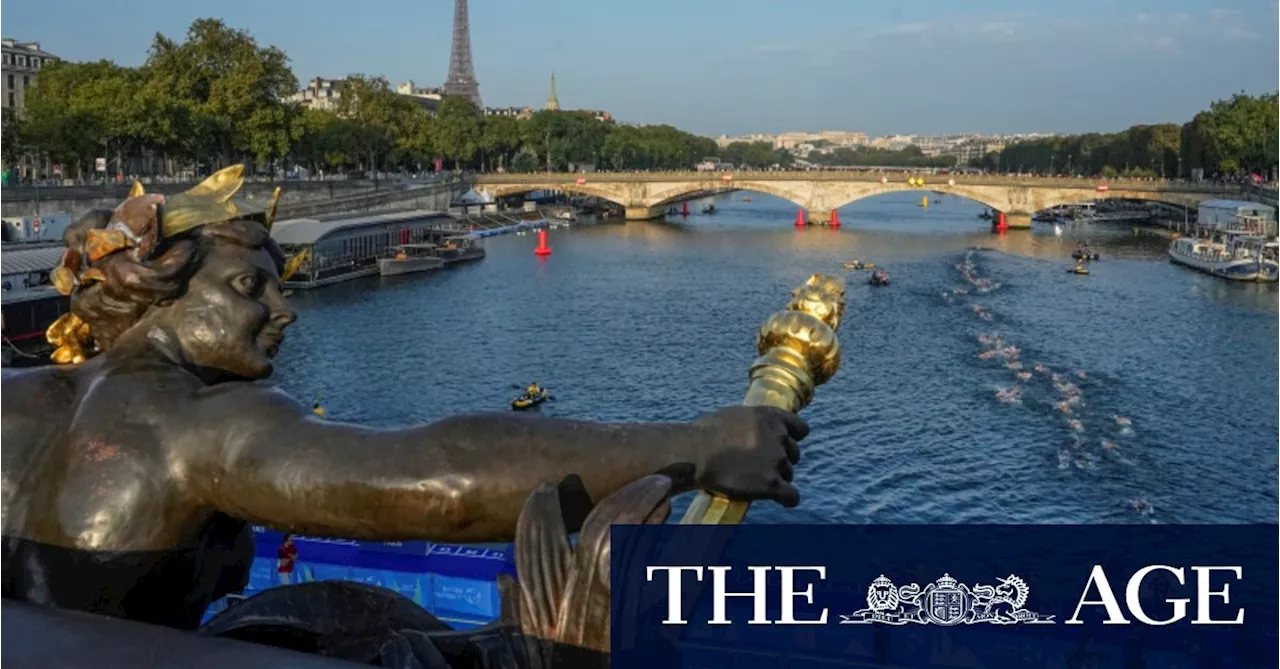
[[459, 479]]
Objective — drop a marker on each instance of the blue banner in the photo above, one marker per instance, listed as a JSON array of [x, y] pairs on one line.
[[944, 596]]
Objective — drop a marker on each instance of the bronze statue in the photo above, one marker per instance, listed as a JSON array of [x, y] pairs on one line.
[[131, 471]]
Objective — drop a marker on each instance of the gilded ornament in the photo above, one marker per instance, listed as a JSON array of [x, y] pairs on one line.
[[799, 350]]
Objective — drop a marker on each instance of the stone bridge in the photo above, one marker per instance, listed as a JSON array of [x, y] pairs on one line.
[[647, 194]]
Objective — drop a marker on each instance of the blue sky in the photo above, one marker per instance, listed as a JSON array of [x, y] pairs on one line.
[[742, 66]]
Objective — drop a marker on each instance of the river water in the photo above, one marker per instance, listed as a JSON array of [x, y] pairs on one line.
[[656, 322]]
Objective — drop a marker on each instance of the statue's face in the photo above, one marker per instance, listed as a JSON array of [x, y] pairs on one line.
[[231, 320]]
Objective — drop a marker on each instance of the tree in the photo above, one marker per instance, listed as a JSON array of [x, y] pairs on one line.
[[500, 137], [231, 91], [865, 156], [525, 160], [458, 129]]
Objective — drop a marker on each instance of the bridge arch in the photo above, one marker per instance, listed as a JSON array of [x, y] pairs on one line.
[[669, 196]]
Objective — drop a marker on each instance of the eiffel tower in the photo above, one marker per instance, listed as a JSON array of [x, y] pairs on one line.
[[462, 74]]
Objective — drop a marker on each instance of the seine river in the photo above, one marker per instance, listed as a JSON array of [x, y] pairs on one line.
[[1151, 394]]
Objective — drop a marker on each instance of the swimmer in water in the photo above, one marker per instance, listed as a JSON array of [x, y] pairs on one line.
[[1041, 369], [1142, 505], [1110, 445], [1074, 400], [1009, 395], [1024, 376], [1076, 425], [1063, 407], [1122, 421], [1013, 364], [1081, 374]]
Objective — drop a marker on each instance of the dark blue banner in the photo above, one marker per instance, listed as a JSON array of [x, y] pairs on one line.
[[945, 596]]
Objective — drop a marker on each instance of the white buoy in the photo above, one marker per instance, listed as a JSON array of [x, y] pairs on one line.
[[1057, 229]]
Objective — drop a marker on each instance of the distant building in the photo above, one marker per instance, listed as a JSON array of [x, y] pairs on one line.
[[977, 148], [320, 93], [553, 102], [522, 113], [22, 62], [407, 88]]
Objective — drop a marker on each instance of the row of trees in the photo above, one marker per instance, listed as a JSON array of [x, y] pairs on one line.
[[219, 98], [1232, 137], [866, 156]]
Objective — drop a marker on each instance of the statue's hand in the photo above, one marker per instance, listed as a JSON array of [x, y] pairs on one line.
[[750, 452]]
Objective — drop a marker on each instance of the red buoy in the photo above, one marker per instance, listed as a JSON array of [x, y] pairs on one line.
[[1001, 223], [835, 218], [684, 208], [800, 218], [543, 249]]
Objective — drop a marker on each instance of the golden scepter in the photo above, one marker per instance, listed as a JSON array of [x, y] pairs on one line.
[[799, 351]]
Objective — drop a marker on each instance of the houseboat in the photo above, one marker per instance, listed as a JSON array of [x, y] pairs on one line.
[[410, 258], [343, 247], [30, 304], [1231, 255], [460, 248]]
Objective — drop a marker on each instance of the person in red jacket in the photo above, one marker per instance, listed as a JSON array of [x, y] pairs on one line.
[[285, 559]]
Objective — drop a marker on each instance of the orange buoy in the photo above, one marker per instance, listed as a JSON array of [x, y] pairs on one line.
[[835, 218], [800, 218], [543, 249]]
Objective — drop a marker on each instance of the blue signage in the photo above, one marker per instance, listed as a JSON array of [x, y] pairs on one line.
[[457, 584], [935, 596]]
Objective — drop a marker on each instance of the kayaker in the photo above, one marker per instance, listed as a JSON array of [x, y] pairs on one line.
[[533, 390]]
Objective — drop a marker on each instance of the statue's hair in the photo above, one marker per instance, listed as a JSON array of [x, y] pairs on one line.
[[131, 287]]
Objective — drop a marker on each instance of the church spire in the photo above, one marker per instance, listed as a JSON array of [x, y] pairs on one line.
[[553, 103]]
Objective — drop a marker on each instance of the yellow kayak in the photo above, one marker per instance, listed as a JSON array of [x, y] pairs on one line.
[[526, 402]]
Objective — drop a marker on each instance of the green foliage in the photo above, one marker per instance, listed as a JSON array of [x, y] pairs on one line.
[[500, 137], [525, 160], [757, 155], [1232, 136], [1140, 150], [11, 126], [228, 89], [653, 147], [458, 129], [865, 156]]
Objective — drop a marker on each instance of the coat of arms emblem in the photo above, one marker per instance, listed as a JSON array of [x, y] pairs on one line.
[[946, 601]]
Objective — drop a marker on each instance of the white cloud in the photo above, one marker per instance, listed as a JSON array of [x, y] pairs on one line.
[[1241, 33], [775, 48], [904, 29], [1002, 28]]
